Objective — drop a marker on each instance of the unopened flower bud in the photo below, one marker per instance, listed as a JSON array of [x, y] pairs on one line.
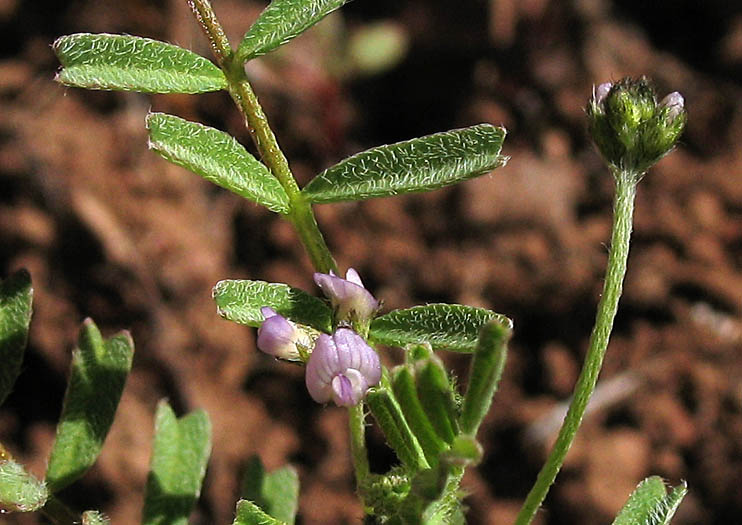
[[601, 91], [348, 296], [631, 129], [674, 103], [342, 368], [282, 338]]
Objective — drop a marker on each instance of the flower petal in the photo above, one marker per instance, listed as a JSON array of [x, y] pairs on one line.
[[277, 336], [352, 276], [348, 296], [349, 388], [341, 368]]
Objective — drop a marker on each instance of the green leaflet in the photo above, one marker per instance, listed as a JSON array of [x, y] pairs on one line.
[[276, 492], [241, 301], [280, 22], [445, 326], [422, 164], [16, 296], [180, 452], [19, 490], [97, 377], [670, 504], [437, 398], [405, 392], [395, 428], [131, 63], [484, 374], [248, 513], [217, 157], [650, 504]]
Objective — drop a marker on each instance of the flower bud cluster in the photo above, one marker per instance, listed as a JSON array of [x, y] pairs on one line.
[[340, 367], [631, 129]]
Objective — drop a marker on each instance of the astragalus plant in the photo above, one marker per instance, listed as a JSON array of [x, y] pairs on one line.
[[338, 336]]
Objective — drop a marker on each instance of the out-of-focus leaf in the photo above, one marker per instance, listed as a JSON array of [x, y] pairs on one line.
[[422, 164], [377, 47], [97, 377], [240, 301], [217, 157], [248, 513], [15, 317], [445, 326], [180, 452], [19, 490], [280, 22], [131, 63], [276, 492], [650, 504]]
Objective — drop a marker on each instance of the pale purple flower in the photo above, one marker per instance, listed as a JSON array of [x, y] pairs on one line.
[[342, 368], [601, 91], [675, 104], [348, 296], [279, 337]]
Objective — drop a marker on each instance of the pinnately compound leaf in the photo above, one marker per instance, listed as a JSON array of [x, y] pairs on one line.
[[97, 377], [131, 63], [15, 317], [445, 326], [217, 157], [241, 300], [422, 164], [179, 455], [280, 22]]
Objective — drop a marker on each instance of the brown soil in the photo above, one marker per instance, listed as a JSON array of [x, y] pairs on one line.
[[112, 231]]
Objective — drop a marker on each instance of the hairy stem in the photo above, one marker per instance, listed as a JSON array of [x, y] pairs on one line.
[[300, 215], [207, 20], [357, 425], [623, 210]]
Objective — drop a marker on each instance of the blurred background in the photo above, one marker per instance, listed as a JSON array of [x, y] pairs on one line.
[[110, 230]]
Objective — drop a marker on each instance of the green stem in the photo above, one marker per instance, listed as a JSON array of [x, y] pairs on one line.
[[623, 210], [306, 226], [357, 425], [301, 214]]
